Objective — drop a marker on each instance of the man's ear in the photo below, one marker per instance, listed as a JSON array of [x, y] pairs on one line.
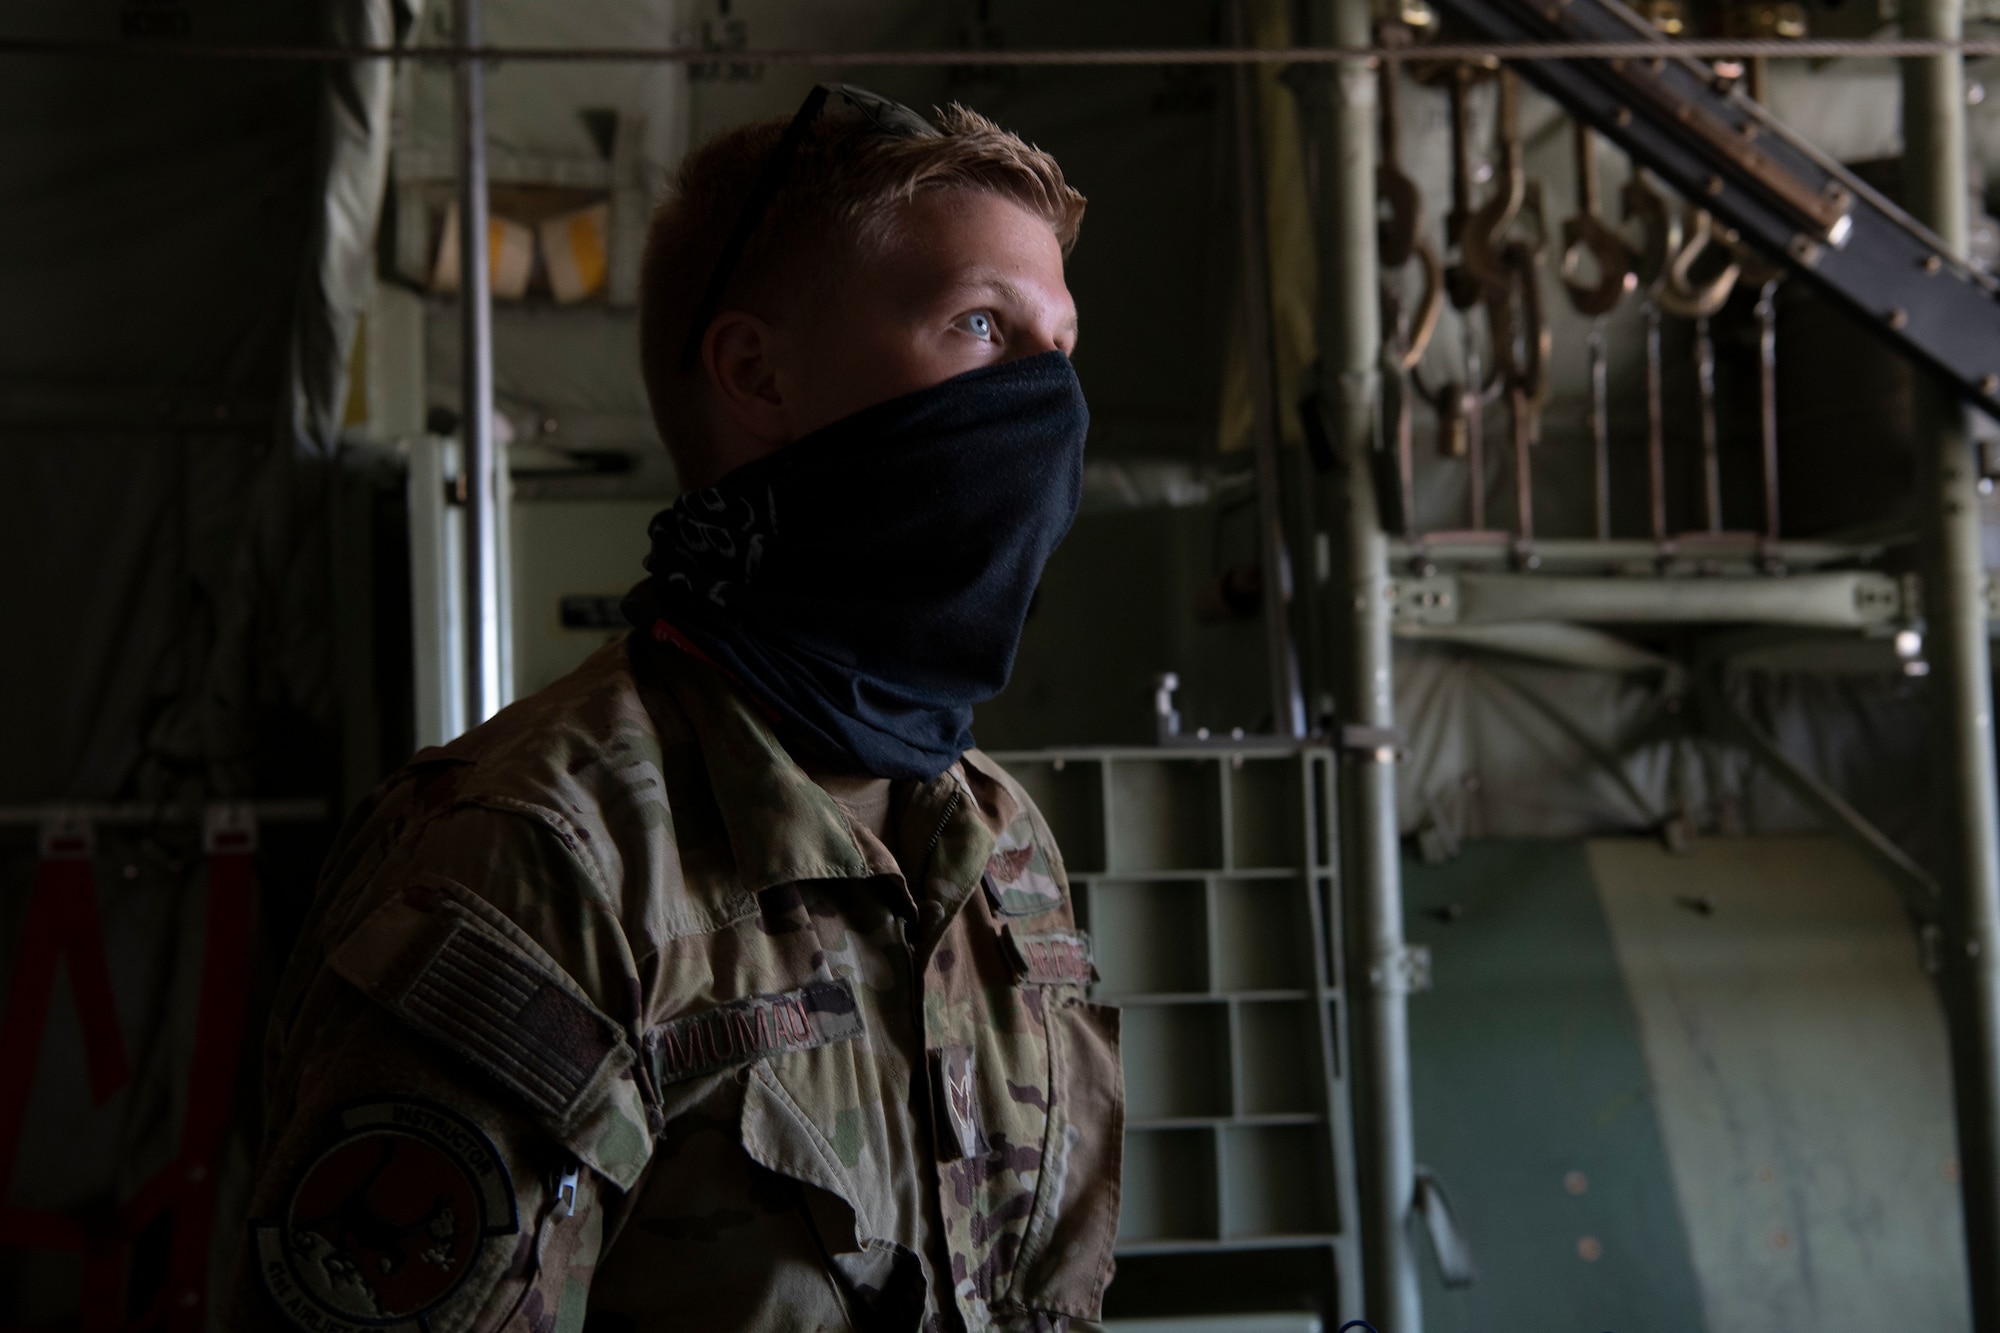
[[738, 356]]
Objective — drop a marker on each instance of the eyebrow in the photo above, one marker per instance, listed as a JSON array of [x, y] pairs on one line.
[[985, 281]]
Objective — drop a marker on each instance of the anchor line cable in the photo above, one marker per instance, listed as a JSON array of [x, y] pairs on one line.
[[1638, 48]]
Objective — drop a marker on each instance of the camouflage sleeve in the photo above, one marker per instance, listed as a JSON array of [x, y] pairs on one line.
[[453, 1108]]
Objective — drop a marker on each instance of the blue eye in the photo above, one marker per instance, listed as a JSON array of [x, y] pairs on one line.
[[979, 324]]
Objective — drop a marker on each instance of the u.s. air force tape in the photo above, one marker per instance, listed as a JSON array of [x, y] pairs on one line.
[[736, 1033], [385, 1224]]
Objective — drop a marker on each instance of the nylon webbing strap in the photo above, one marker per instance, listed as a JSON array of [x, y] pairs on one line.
[[229, 836], [62, 925]]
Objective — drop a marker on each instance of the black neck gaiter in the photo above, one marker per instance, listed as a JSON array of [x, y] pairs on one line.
[[869, 582]]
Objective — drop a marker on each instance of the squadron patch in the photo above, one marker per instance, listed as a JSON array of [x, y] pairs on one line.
[[384, 1226], [1019, 880]]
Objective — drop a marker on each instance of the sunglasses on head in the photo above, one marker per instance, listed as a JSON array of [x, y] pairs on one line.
[[884, 115]]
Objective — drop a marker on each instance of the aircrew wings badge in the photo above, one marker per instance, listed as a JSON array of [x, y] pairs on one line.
[[385, 1224], [1019, 880]]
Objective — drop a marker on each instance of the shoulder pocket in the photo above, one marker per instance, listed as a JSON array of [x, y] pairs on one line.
[[455, 968]]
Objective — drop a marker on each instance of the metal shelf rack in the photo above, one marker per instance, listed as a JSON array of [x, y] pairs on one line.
[[1207, 878]]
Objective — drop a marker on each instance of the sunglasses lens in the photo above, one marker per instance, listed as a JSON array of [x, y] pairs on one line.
[[890, 117]]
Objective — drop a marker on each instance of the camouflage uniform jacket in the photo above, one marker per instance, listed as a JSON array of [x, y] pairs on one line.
[[606, 1011]]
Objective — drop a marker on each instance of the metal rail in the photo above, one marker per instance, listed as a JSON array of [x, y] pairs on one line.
[[1846, 599], [1955, 600], [1693, 553], [1350, 339], [1721, 48], [1917, 889], [481, 470], [300, 811], [1288, 712]]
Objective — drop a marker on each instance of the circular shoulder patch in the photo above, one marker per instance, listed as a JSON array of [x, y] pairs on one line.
[[386, 1223]]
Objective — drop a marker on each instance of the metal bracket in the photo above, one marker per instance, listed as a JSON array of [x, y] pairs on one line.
[[229, 828], [1381, 744], [1421, 600], [1407, 971], [65, 835], [1448, 1244]]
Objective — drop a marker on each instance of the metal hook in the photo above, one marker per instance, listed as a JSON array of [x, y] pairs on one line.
[[1682, 295], [1480, 245], [1416, 340], [1396, 234], [1587, 233], [1763, 276], [1643, 202], [1522, 351], [1397, 238]]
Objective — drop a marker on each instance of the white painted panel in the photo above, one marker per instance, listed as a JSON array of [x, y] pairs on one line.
[[1798, 1059], [570, 547]]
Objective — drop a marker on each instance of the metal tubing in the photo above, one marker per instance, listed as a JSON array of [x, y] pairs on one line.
[[1656, 438], [1955, 607], [1350, 339], [475, 297], [1711, 445], [1406, 460], [1767, 401], [1609, 759], [304, 810], [1848, 599], [126, 52], [1520, 420], [1491, 549], [1600, 420], [1914, 884], [1475, 432], [1288, 711]]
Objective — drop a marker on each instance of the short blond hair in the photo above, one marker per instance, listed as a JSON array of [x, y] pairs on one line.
[[839, 199]]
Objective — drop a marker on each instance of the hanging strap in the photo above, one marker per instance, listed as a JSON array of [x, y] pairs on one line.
[[229, 836], [62, 924]]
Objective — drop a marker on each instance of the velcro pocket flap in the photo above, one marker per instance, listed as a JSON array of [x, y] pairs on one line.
[[455, 968]]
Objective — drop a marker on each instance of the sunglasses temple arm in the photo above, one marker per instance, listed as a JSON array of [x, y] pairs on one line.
[[760, 198]]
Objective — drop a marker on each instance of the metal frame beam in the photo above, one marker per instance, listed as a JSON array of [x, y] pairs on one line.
[[1961, 680], [1350, 340], [1288, 711], [481, 470]]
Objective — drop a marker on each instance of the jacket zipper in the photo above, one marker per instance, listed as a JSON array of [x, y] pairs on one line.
[[937, 834], [925, 1074]]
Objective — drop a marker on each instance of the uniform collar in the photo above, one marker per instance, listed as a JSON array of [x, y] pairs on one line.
[[784, 828], [948, 829], [782, 825]]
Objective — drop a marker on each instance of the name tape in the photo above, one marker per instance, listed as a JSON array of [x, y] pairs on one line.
[[736, 1033]]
